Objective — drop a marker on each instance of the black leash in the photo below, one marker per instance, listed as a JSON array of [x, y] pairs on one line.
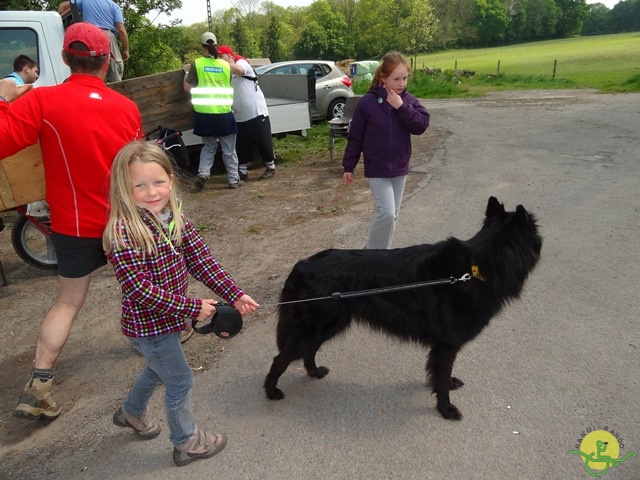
[[375, 291]]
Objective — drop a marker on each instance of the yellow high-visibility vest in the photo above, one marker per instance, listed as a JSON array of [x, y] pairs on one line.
[[214, 93]]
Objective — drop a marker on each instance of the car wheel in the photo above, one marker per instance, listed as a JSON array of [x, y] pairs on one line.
[[336, 108]]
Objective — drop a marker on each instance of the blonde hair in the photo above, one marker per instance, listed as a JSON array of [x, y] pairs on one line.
[[125, 215], [390, 62]]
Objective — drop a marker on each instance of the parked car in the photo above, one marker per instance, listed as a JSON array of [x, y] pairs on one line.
[[332, 85]]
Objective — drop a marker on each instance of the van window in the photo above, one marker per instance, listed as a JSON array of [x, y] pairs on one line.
[[14, 42]]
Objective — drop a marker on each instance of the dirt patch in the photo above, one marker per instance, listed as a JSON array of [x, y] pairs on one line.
[[257, 232]]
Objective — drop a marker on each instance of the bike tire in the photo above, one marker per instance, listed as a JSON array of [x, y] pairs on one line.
[[23, 234]]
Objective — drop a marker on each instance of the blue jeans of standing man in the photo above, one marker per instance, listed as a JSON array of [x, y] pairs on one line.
[[229, 157], [387, 193], [165, 364]]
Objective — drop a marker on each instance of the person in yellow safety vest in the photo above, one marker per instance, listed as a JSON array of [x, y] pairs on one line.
[[208, 80]]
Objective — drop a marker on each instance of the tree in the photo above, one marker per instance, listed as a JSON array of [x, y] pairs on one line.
[[272, 40], [312, 43], [417, 27], [491, 21], [29, 5], [243, 40], [625, 16], [334, 26], [455, 23], [540, 20], [571, 14], [517, 15], [597, 20], [155, 49]]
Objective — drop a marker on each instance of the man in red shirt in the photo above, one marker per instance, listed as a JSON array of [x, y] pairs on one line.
[[81, 125]]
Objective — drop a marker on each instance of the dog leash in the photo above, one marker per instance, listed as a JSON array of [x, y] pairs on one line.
[[374, 291]]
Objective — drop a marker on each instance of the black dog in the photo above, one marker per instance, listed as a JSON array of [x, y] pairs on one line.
[[442, 317]]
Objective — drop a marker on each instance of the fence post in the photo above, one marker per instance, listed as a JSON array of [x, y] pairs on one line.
[[498, 72], [455, 66], [555, 63]]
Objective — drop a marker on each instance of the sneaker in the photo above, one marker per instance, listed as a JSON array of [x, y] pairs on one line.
[[244, 176], [144, 428], [268, 173], [186, 334], [200, 181], [237, 184], [36, 401], [200, 445]]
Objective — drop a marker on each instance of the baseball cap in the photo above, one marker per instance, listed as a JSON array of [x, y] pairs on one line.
[[224, 50], [206, 37], [94, 39]]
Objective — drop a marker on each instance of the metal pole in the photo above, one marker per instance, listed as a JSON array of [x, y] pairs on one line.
[[209, 16], [555, 63]]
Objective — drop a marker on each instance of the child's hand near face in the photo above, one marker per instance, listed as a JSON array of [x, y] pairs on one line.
[[393, 98]]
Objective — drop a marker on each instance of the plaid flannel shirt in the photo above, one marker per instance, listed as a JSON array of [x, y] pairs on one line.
[[154, 288]]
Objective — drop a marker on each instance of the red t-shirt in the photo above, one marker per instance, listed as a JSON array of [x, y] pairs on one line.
[[81, 125]]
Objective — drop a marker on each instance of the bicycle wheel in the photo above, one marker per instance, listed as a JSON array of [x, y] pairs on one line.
[[32, 245]]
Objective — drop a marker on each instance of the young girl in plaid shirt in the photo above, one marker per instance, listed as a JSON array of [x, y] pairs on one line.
[[153, 247]]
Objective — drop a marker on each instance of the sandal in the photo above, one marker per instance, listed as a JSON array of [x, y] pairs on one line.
[[200, 445]]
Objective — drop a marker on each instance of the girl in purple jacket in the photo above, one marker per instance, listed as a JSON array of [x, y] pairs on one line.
[[381, 129]]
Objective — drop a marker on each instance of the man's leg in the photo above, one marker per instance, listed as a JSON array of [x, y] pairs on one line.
[[36, 399], [116, 65], [245, 149], [207, 158], [265, 146], [230, 159]]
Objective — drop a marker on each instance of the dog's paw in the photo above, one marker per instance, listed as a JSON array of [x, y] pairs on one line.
[[455, 383], [450, 412], [274, 393], [318, 372]]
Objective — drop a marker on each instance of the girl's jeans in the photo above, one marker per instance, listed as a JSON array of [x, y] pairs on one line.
[[387, 193], [167, 365]]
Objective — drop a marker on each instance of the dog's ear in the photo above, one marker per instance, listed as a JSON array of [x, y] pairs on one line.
[[494, 208], [522, 216]]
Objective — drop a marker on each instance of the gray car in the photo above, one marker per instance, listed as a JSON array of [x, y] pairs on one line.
[[332, 85]]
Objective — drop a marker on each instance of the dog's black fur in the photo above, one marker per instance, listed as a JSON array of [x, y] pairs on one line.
[[442, 317]]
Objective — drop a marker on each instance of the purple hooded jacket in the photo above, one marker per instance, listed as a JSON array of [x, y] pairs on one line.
[[383, 134]]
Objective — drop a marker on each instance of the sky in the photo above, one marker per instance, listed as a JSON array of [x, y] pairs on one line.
[[196, 10]]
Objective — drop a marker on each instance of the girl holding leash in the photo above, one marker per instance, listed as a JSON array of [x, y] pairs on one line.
[[153, 247], [381, 128]]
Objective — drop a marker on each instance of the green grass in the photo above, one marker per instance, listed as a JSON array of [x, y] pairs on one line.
[[606, 62]]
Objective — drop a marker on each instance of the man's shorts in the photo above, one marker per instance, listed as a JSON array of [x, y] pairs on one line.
[[78, 256]]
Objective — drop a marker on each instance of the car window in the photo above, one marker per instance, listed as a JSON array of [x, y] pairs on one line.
[[303, 68], [283, 70], [14, 42], [319, 69]]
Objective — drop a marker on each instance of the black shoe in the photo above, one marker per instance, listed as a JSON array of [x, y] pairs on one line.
[[268, 173], [244, 176], [200, 181]]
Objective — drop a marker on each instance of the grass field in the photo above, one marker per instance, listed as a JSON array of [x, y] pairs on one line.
[[604, 62]]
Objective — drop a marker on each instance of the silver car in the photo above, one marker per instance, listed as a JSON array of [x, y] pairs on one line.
[[332, 85]]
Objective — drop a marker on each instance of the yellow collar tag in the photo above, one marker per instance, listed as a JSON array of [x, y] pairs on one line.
[[475, 271]]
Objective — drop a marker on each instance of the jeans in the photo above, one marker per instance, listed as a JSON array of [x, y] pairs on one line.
[[387, 193], [165, 364], [229, 157]]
